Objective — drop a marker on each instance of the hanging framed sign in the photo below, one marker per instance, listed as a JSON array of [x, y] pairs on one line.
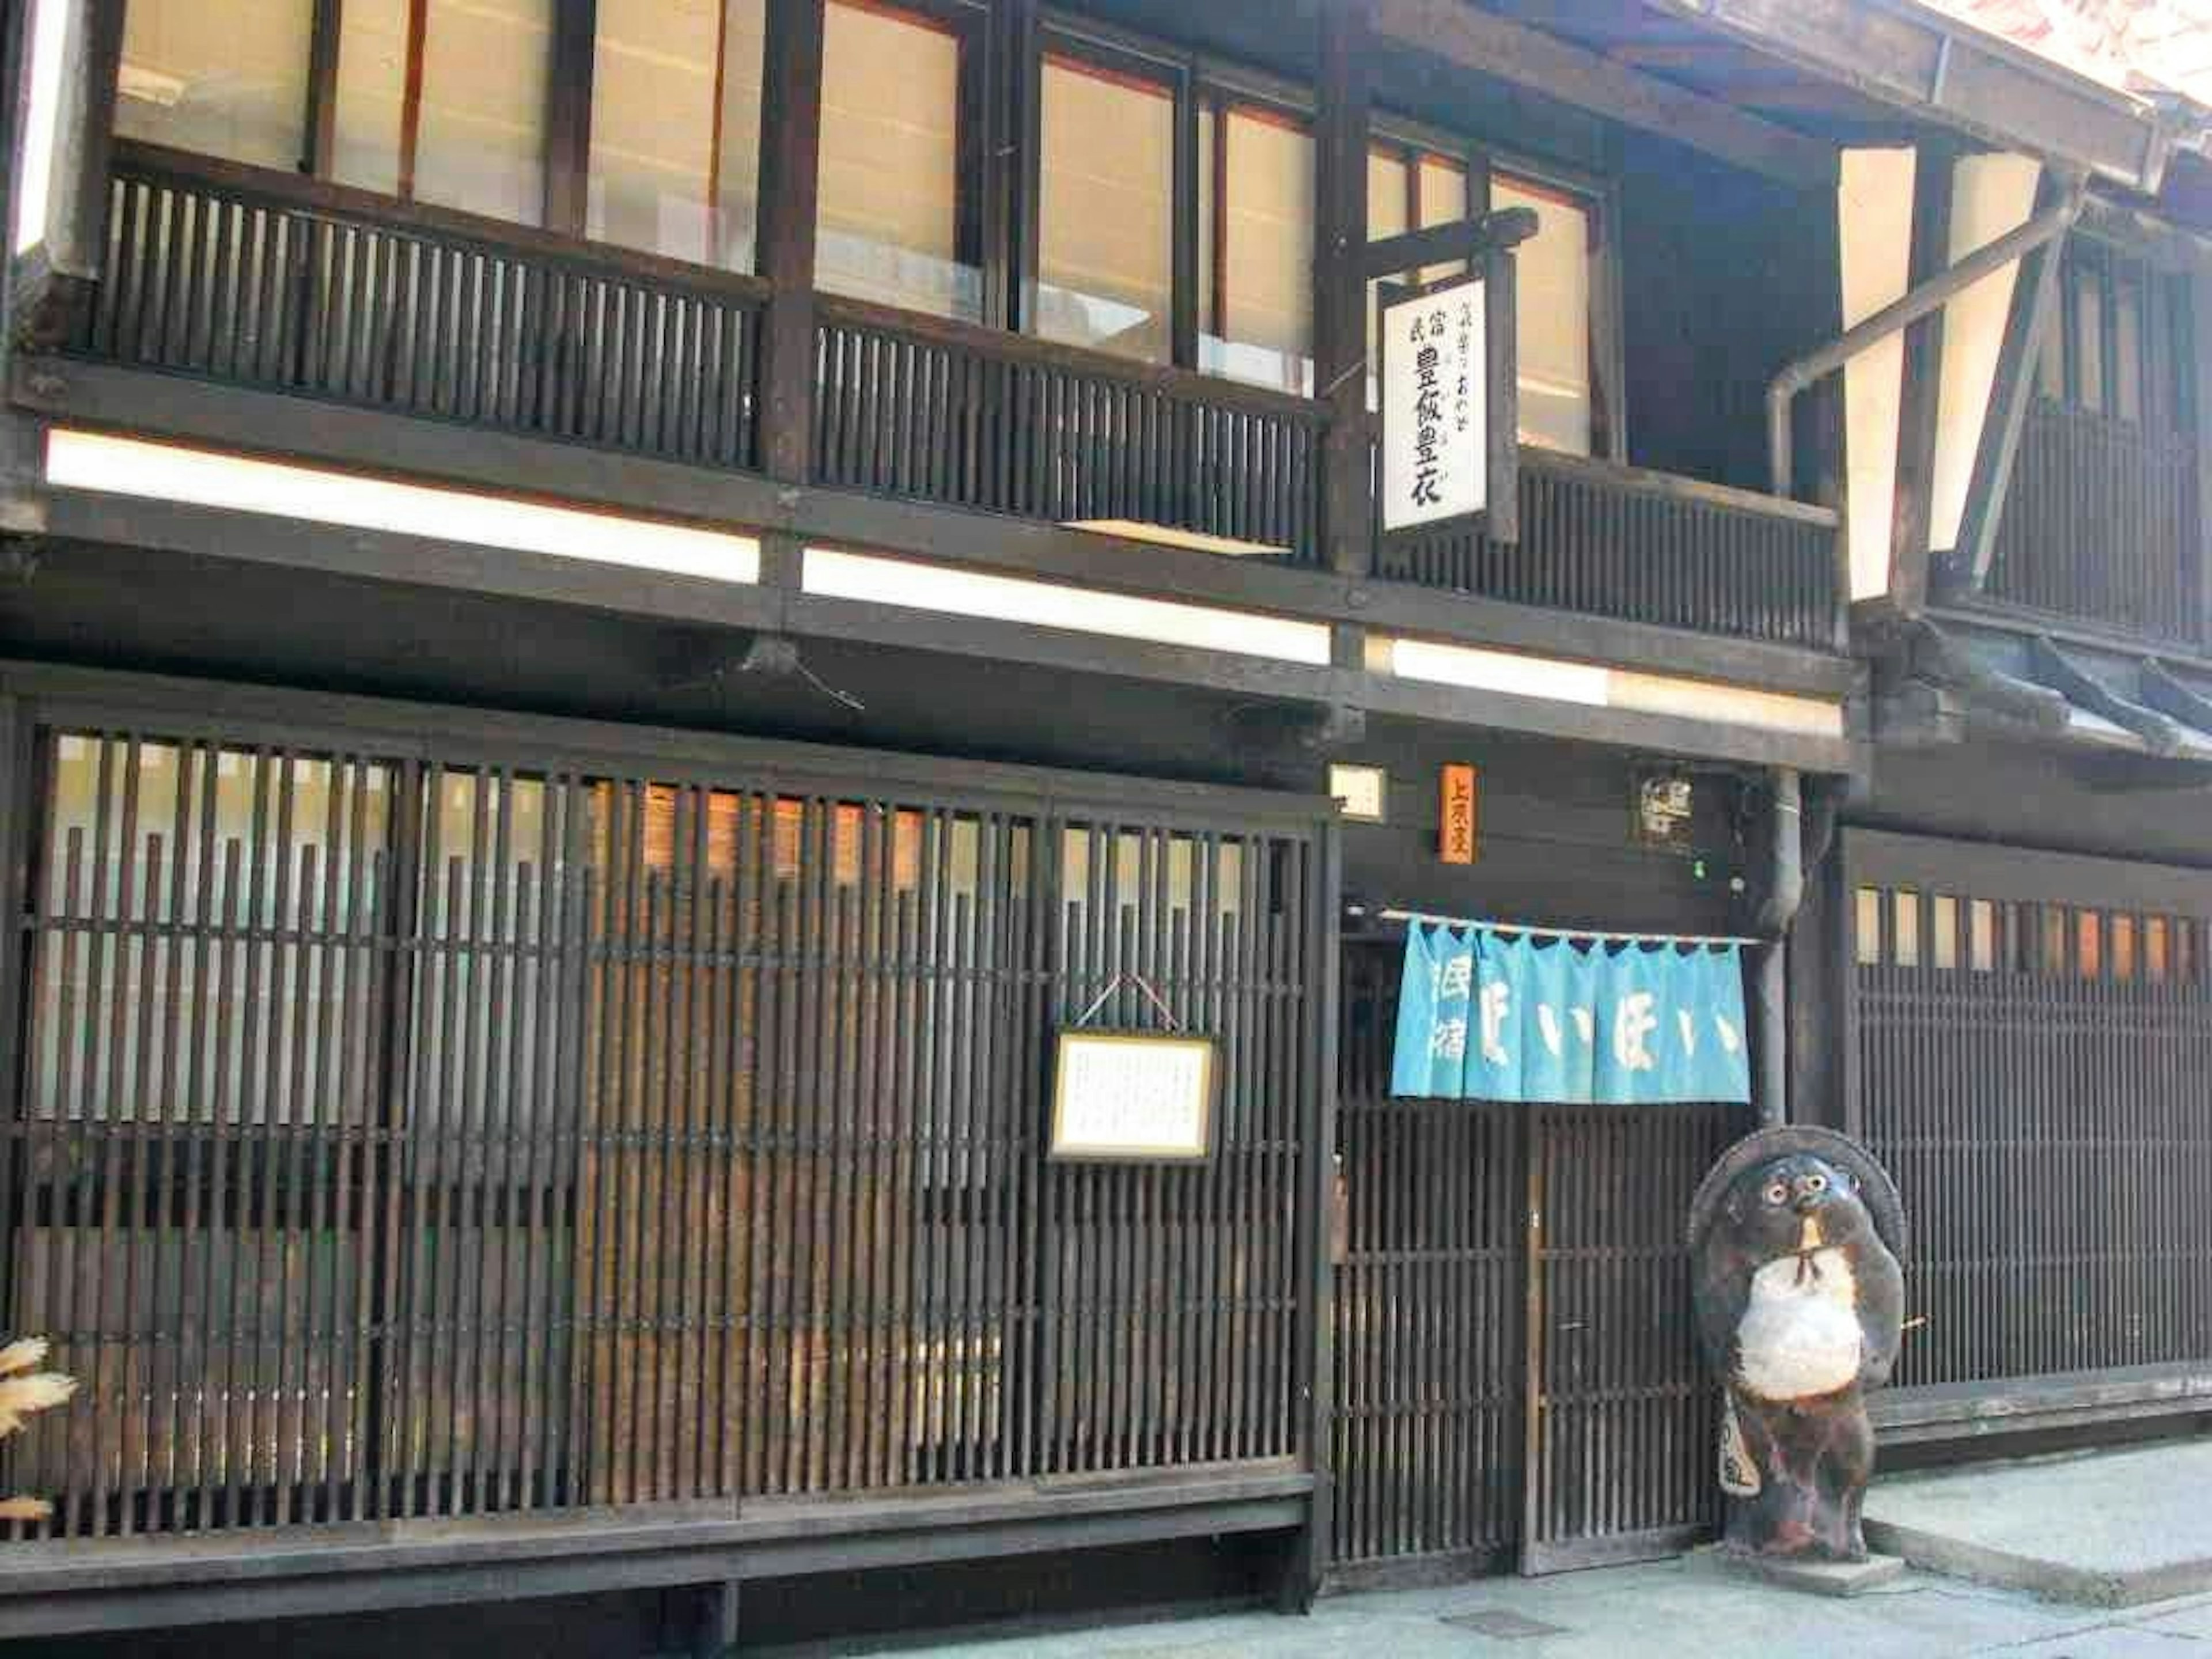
[[1436, 403], [1449, 379], [1131, 1098]]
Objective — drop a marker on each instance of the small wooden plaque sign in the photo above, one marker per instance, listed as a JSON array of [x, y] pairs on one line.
[[1460, 816], [1133, 1097]]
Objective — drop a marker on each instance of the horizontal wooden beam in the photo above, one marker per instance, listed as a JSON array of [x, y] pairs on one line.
[[1489, 44], [273, 424], [132, 1585], [218, 533]]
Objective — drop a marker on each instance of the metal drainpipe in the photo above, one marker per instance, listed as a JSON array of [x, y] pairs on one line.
[[1785, 894]]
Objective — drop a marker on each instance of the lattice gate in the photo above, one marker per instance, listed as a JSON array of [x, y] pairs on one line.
[[1491, 1258]]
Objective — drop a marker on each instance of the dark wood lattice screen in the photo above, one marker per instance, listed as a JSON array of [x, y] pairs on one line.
[[2031, 1045], [403, 1136], [1493, 1255]]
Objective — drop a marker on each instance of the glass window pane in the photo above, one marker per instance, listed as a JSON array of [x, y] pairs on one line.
[[670, 172], [890, 163], [481, 144], [1982, 923], [1444, 185], [2090, 342], [223, 78], [1944, 945], [1906, 919], [1389, 187], [2127, 351], [2051, 361], [478, 137], [1106, 236], [372, 94], [1866, 926], [1257, 321], [1553, 296]]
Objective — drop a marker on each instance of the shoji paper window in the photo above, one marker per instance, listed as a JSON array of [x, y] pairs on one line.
[[675, 113], [890, 163], [1105, 253], [223, 78]]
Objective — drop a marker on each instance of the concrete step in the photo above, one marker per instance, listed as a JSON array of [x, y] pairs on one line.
[[2106, 1530]]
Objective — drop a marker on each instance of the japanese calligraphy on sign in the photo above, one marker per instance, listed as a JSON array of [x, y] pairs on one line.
[[1435, 406], [1123, 1097]]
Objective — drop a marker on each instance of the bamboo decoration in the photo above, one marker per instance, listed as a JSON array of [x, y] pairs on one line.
[[24, 1392]]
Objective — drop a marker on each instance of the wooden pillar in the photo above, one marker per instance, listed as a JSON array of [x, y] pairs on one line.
[[2199, 392], [791, 154], [1340, 301], [1918, 410], [569, 116], [77, 106], [21, 437]]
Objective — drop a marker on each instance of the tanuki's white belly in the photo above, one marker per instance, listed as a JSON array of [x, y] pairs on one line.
[[1800, 1334]]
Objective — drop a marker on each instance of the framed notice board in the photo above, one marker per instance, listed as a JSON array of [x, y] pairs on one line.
[[1133, 1097]]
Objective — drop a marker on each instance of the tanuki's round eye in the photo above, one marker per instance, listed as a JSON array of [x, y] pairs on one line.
[[1817, 1184], [1777, 1193]]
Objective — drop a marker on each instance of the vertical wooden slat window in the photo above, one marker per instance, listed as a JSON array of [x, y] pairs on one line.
[[208, 965], [2062, 1071], [676, 115], [445, 101], [221, 77], [1255, 223], [896, 213], [437, 1138], [1106, 213]]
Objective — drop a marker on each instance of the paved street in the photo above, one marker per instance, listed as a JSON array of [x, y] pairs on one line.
[[1687, 1609]]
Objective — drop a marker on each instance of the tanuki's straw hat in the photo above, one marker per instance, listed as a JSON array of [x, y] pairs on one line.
[[1877, 1190]]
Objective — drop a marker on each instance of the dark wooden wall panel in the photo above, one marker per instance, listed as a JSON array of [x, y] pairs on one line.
[[2029, 1055]]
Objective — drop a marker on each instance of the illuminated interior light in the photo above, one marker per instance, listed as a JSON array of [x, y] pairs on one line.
[[832, 574], [1509, 673], [1512, 673], [128, 466]]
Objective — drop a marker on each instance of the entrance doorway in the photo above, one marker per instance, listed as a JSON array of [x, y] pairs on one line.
[[1517, 1385]]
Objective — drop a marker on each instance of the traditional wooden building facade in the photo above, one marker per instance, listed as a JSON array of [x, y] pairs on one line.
[[616, 611]]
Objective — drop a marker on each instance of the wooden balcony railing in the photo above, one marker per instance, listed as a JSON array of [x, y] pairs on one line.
[[1616, 541], [977, 417], [246, 278], [295, 286], [2102, 526]]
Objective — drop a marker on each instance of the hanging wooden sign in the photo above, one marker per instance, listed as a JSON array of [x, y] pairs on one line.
[[1459, 815], [1436, 404], [1133, 1097]]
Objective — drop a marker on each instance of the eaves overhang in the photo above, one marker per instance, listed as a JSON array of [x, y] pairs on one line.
[[1950, 681], [1914, 58]]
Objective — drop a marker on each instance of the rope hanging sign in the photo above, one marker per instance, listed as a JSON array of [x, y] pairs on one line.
[[1122, 1097]]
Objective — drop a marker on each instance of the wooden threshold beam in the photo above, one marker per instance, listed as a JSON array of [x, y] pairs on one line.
[[1489, 44]]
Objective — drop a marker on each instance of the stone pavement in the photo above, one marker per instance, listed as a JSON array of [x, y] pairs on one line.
[[2106, 1529], [1666, 1610]]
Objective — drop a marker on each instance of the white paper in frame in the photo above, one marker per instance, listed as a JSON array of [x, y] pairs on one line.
[[1436, 403], [1133, 1097]]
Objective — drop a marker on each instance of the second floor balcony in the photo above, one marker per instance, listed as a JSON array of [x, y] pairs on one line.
[[245, 277], [1084, 288]]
